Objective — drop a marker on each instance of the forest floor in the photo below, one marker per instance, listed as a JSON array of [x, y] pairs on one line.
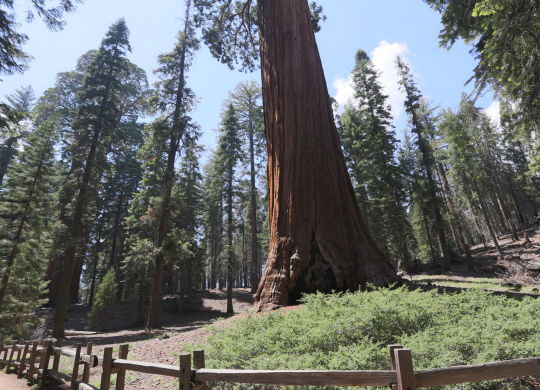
[[161, 346], [517, 271], [10, 382]]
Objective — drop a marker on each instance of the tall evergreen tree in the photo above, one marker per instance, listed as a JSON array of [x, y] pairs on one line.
[[213, 219], [229, 154], [26, 211], [422, 124], [369, 144], [246, 100], [96, 119], [174, 99], [185, 222]]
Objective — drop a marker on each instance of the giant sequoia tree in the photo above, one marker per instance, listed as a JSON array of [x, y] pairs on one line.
[[319, 241]]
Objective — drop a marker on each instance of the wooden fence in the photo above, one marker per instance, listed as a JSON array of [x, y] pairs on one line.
[[41, 363]]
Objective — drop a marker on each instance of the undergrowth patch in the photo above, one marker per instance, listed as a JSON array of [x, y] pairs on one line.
[[351, 331]]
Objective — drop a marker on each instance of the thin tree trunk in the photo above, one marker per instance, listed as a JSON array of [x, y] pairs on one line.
[[152, 321], [94, 269], [484, 211], [455, 220], [254, 268], [230, 253], [318, 239]]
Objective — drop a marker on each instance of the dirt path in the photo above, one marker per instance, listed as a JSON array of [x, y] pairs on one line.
[[10, 382], [161, 346]]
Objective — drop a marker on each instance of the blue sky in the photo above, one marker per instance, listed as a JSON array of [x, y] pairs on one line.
[[383, 28]]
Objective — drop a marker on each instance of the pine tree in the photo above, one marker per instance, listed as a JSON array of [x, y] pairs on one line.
[[228, 153], [96, 119], [174, 100], [103, 308], [467, 168], [246, 100], [185, 222], [15, 126], [369, 146], [63, 101], [26, 209], [213, 219], [22, 100], [422, 124]]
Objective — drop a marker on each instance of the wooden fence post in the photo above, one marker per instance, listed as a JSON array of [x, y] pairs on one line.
[[10, 357], [391, 349], [86, 369], [404, 369], [75, 372], [22, 362], [121, 376], [6, 351], [32, 362], [107, 368], [185, 371], [198, 363], [56, 360], [44, 364]]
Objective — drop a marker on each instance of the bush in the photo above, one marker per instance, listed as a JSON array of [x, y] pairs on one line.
[[103, 305], [351, 332]]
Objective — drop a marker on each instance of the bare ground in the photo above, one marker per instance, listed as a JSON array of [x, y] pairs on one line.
[[10, 382], [518, 269], [162, 346]]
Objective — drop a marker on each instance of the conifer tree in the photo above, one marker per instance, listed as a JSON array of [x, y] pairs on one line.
[[26, 211], [96, 119], [174, 99], [229, 154], [22, 100], [15, 126], [246, 100], [369, 145], [103, 308], [185, 221], [422, 124], [213, 219]]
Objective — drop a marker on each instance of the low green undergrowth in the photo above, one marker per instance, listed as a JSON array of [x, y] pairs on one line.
[[351, 331]]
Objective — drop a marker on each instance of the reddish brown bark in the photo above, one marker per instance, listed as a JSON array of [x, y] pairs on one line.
[[319, 241]]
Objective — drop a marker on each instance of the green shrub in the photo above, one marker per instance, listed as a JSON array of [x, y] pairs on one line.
[[351, 331], [103, 306]]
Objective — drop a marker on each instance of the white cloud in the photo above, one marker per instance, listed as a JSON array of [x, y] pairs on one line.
[[493, 112], [344, 91], [384, 59]]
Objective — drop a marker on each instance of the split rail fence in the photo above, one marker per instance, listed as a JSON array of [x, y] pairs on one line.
[[40, 363]]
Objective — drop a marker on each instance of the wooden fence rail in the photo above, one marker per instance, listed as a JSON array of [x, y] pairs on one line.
[[41, 363]]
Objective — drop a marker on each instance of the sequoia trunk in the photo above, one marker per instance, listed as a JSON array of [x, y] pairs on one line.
[[318, 239]]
